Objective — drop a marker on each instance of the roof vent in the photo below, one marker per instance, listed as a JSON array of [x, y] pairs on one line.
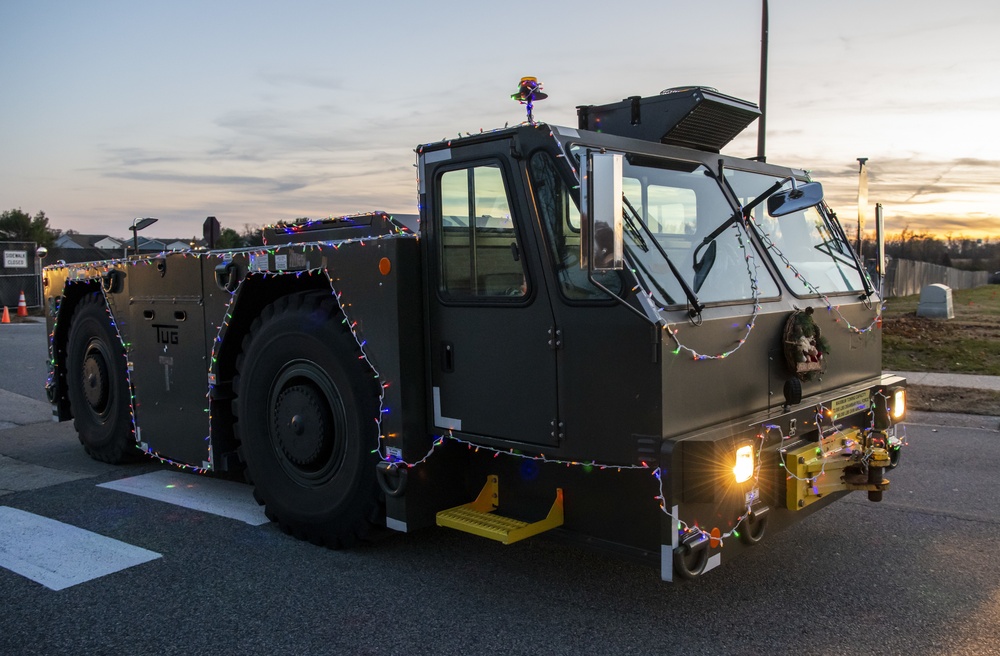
[[695, 117]]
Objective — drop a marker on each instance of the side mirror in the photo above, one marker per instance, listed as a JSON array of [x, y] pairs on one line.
[[796, 199], [602, 246]]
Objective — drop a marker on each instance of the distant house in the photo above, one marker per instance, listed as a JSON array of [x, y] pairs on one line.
[[151, 245], [148, 245], [74, 240], [73, 247], [67, 241], [108, 244]]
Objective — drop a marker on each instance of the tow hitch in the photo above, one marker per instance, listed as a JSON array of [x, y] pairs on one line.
[[834, 464]]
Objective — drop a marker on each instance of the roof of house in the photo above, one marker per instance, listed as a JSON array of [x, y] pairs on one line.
[[79, 254], [83, 241]]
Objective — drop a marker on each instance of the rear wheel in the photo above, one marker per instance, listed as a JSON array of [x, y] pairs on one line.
[[306, 410], [97, 383]]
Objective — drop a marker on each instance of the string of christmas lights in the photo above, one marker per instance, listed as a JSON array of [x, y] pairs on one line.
[[685, 529], [541, 457], [821, 411], [81, 273], [765, 238], [213, 360], [751, 261], [300, 226], [753, 270], [93, 272]]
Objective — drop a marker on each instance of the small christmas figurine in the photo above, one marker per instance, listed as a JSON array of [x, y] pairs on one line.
[[805, 346], [529, 90]]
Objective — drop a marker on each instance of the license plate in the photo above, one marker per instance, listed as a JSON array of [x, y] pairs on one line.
[[850, 405]]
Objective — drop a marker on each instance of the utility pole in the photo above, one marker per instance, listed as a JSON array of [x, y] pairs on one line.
[[762, 121]]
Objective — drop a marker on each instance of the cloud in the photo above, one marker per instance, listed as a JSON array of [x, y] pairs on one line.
[[936, 196], [261, 185]]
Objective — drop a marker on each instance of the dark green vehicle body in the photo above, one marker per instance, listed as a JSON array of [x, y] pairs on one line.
[[488, 349]]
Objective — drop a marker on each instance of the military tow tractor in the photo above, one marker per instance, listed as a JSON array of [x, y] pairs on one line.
[[609, 330]]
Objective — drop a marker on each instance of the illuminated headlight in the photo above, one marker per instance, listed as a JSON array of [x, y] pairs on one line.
[[743, 470], [899, 404]]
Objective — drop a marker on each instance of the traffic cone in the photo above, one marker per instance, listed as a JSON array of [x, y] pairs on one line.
[[6, 315], [22, 307]]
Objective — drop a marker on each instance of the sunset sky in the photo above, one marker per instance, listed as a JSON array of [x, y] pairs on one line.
[[261, 111]]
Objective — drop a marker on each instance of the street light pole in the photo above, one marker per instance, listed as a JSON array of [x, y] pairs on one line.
[[138, 224], [862, 201]]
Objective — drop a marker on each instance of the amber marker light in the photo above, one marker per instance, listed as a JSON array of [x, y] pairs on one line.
[[743, 470], [384, 266], [899, 404]]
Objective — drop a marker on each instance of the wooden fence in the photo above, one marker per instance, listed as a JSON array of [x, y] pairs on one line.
[[908, 277]]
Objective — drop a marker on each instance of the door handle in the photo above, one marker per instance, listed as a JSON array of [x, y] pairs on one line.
[[447, 357]]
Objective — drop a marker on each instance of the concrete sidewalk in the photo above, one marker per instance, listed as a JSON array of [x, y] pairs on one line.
[[17, 410], [949, 380]]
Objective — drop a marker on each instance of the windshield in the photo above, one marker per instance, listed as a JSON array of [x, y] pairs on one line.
[[808, 249], [680, 204], [676, 213]]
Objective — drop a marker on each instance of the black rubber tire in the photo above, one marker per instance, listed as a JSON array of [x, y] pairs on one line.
[[306, 409], [97, 384]]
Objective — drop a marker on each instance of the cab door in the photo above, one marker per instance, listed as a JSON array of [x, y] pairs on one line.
[[492, 336]]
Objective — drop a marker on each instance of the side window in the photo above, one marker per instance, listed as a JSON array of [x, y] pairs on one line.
[[561, 220], [480, 255]]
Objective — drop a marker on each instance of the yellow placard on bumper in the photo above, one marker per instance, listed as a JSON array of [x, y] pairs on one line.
[[849, 405]]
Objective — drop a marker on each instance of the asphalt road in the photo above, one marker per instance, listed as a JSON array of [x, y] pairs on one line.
[[24, 359], [916, 574]]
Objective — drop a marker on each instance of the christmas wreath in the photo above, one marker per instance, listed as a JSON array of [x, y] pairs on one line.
[[805, 347]]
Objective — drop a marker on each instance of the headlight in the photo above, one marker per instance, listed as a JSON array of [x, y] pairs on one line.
[[743, 471], [899, 404]]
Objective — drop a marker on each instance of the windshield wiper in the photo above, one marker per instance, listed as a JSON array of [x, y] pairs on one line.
[[704, 265], [743, 213], [631, 218]]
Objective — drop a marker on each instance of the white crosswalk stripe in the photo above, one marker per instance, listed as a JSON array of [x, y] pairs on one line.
[[211, 495], [59, 555]]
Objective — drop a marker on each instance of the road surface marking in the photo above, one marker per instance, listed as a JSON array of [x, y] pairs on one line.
[[59, 555], [197, 492]]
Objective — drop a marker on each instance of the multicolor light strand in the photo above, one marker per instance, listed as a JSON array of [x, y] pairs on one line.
[[821, 412], [93, 272], [751, 261], [771, 246], [355, 330]]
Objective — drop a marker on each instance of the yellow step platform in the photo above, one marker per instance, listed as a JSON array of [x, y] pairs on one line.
[[479, 519]]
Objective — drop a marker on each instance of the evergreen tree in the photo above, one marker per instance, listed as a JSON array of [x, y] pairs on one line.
[[18, 225]]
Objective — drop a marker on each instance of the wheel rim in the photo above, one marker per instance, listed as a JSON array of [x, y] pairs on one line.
[[307, 423], [96, 379]]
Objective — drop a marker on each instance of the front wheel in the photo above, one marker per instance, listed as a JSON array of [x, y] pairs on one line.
[[306, 418], [97, 383]]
